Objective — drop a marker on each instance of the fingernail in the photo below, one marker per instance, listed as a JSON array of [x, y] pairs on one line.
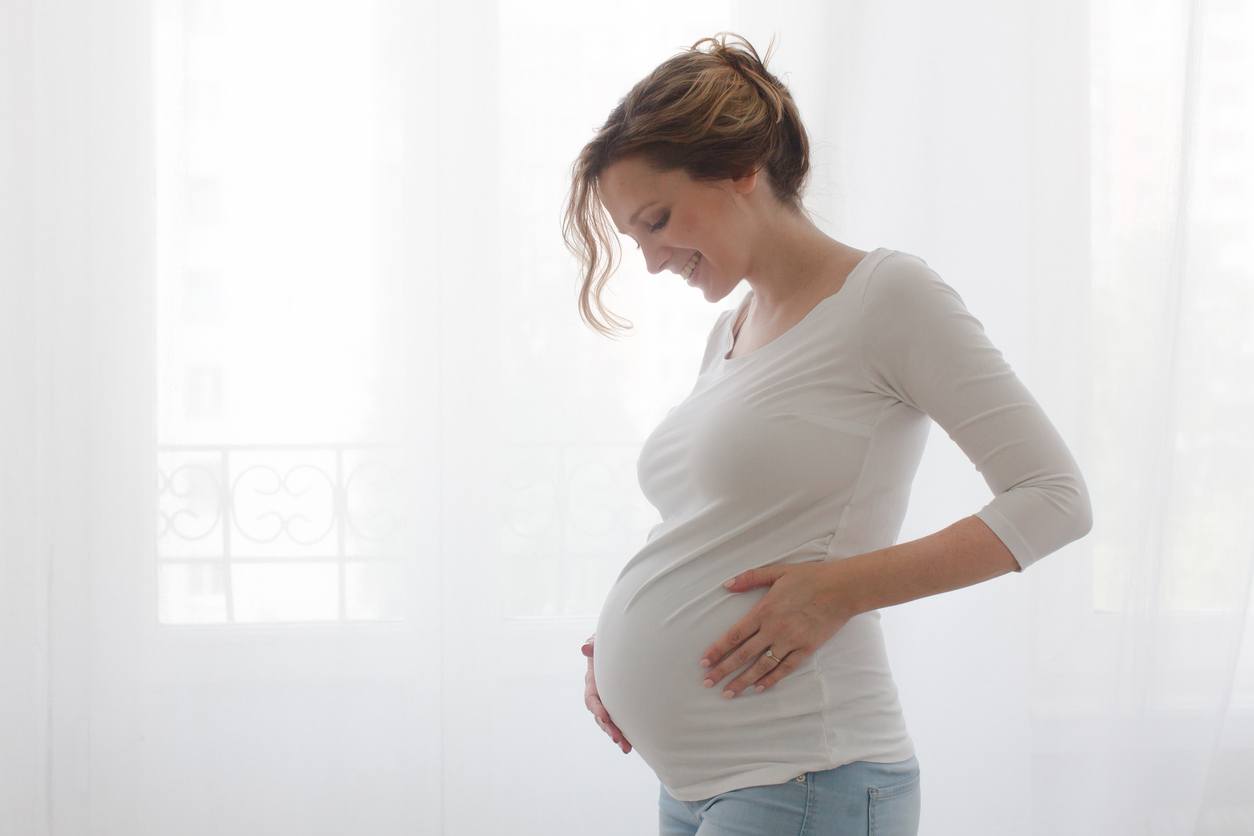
[[729, 693], [708, 683], [705, 663]]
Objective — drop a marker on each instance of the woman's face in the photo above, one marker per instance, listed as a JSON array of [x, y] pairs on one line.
[[680, 223]]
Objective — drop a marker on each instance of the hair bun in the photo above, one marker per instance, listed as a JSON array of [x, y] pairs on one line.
[[745, 62]]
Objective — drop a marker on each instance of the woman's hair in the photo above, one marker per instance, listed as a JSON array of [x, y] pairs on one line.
[[715, 114]]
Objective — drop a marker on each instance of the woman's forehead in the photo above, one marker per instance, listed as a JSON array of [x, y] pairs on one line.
[[628, 178], [627, 187]]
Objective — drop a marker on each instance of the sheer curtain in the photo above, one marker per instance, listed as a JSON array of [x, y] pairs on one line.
[[314, 481]]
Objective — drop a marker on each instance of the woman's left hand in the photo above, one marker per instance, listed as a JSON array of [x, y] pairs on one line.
[[803, 609]]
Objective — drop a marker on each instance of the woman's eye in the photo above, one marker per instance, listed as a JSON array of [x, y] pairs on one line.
[[661, 222]]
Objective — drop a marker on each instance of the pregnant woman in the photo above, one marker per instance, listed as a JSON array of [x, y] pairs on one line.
[[782, 479]]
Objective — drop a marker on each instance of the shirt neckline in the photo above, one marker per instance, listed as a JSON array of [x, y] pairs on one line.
[[729, 338]]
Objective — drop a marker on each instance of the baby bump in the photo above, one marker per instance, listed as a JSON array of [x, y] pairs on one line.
[[647, 665], [646, 661]]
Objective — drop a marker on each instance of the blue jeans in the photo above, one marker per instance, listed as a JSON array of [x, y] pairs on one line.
[[858, 798]]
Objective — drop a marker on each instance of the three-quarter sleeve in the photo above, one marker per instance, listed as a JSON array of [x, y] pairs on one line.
[[921, 346]]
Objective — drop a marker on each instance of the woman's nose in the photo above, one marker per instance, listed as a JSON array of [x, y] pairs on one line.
[[654, 262]]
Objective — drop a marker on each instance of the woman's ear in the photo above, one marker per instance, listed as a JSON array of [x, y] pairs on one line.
[[746, 183]]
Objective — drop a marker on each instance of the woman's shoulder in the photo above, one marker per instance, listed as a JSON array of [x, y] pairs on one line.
[[903, 281]]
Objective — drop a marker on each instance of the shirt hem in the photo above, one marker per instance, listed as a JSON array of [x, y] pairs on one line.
[[779, 773], [1009, 535]]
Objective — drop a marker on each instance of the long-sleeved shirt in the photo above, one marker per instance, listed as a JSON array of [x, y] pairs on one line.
[[805, 450]]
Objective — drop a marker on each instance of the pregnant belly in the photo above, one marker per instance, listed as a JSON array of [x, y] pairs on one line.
[[649, 642], [646, 662]]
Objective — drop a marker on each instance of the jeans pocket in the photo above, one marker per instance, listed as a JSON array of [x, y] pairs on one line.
[[894, 790], [893, 809]]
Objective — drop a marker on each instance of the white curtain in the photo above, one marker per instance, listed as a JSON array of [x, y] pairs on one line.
[[313, 481]]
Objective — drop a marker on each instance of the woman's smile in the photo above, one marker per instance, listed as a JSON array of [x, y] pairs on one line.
[[689, 270]]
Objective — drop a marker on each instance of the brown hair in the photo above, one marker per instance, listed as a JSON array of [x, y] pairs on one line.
[[716, 115]]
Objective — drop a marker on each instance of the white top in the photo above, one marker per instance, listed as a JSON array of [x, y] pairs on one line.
[[805, 450]]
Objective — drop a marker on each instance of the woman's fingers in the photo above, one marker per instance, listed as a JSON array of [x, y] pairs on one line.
[[598, 711], [595, 706], [616, 734], [603, 720]]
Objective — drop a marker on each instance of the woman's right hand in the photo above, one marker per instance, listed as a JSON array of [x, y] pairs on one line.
[[593, 701]]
